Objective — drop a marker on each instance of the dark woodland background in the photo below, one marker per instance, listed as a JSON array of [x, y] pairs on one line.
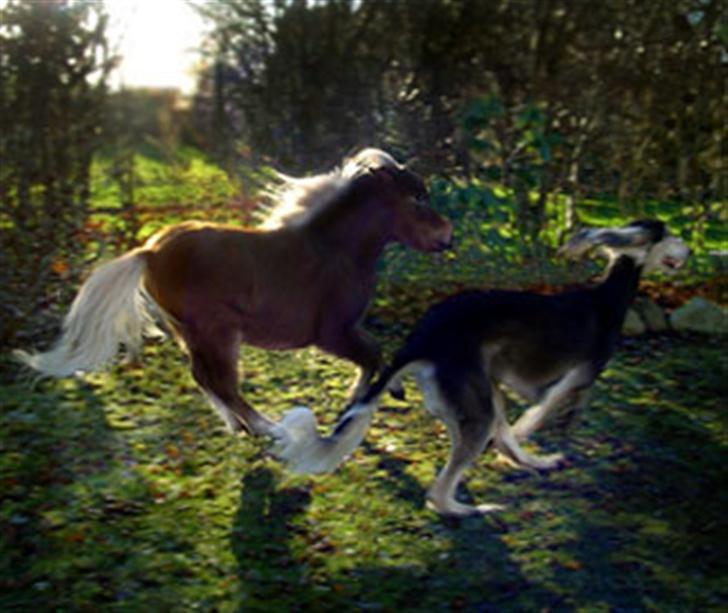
[[556, 103]]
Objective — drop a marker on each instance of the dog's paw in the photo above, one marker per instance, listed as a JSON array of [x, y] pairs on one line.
[[549, 462], [502, 460], [453, 508], [534, 464]]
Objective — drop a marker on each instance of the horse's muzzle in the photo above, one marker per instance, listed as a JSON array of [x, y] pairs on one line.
[[445, 245]]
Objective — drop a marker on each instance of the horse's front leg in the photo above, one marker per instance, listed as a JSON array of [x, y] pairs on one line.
[[355, 345]]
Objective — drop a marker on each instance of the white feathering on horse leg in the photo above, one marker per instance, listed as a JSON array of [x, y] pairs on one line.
[[304, 451]]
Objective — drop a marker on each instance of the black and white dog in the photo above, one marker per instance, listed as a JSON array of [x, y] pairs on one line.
[[548, 349]]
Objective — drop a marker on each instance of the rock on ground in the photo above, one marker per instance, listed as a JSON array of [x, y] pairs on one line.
[[633, 324], [652, 315], [700, 315]]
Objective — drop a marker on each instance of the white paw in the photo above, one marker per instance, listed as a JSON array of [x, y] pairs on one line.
[[548, 462], [502, 459], [453, 508], [521, 431]]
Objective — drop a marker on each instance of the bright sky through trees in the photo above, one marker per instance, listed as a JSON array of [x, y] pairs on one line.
[[157, 40]]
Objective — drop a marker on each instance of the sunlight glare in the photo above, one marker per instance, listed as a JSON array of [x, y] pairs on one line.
[[158, 41]]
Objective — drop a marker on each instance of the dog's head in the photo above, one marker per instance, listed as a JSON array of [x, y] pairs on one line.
[[647, 241]]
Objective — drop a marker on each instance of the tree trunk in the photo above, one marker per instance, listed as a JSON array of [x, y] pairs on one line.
[[571, 218]]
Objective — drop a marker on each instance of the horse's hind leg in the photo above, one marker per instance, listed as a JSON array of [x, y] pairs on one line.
[[465, 406], [214, 367]]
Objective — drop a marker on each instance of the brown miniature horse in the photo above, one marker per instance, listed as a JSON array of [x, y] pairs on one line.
[[305, 279]]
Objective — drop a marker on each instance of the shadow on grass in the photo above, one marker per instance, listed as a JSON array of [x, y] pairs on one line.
[[645, 496], [657, 529], [81, 526], [477, 572], [50, 445], [124, 501], [260, 537], [636, 521], [474, 571]]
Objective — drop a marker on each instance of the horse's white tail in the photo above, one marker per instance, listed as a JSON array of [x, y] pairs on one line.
[[108, 311]]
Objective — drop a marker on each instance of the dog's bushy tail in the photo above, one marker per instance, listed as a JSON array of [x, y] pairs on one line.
[[108, 311], [304, 451]]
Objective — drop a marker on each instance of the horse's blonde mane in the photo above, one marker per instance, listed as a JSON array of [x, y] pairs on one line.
[[295, 201]]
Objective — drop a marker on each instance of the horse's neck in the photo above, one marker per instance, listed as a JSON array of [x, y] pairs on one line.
[[357, 230]]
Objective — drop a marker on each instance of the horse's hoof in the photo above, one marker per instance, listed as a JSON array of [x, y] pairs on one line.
[[261, 426]]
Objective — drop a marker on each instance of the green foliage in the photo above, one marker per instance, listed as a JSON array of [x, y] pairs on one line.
[[491, 251], [525, 156], [183, 176], [123, 490], [619, 95], [53, 68]]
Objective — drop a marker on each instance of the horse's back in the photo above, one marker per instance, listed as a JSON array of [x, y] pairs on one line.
[[190, 231]]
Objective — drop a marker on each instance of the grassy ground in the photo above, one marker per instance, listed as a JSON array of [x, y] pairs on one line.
[[123, 491]]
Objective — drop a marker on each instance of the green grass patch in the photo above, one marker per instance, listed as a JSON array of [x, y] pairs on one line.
[[159, 178]]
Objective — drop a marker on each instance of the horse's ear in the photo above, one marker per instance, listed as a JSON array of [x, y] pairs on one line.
[[387, 174], [404, 181], [367, 160], [380, 179]]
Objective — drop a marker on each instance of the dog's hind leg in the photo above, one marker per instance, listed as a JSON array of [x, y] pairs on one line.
[[464, 404], [568, 417], [568, 389], [506, 442]]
